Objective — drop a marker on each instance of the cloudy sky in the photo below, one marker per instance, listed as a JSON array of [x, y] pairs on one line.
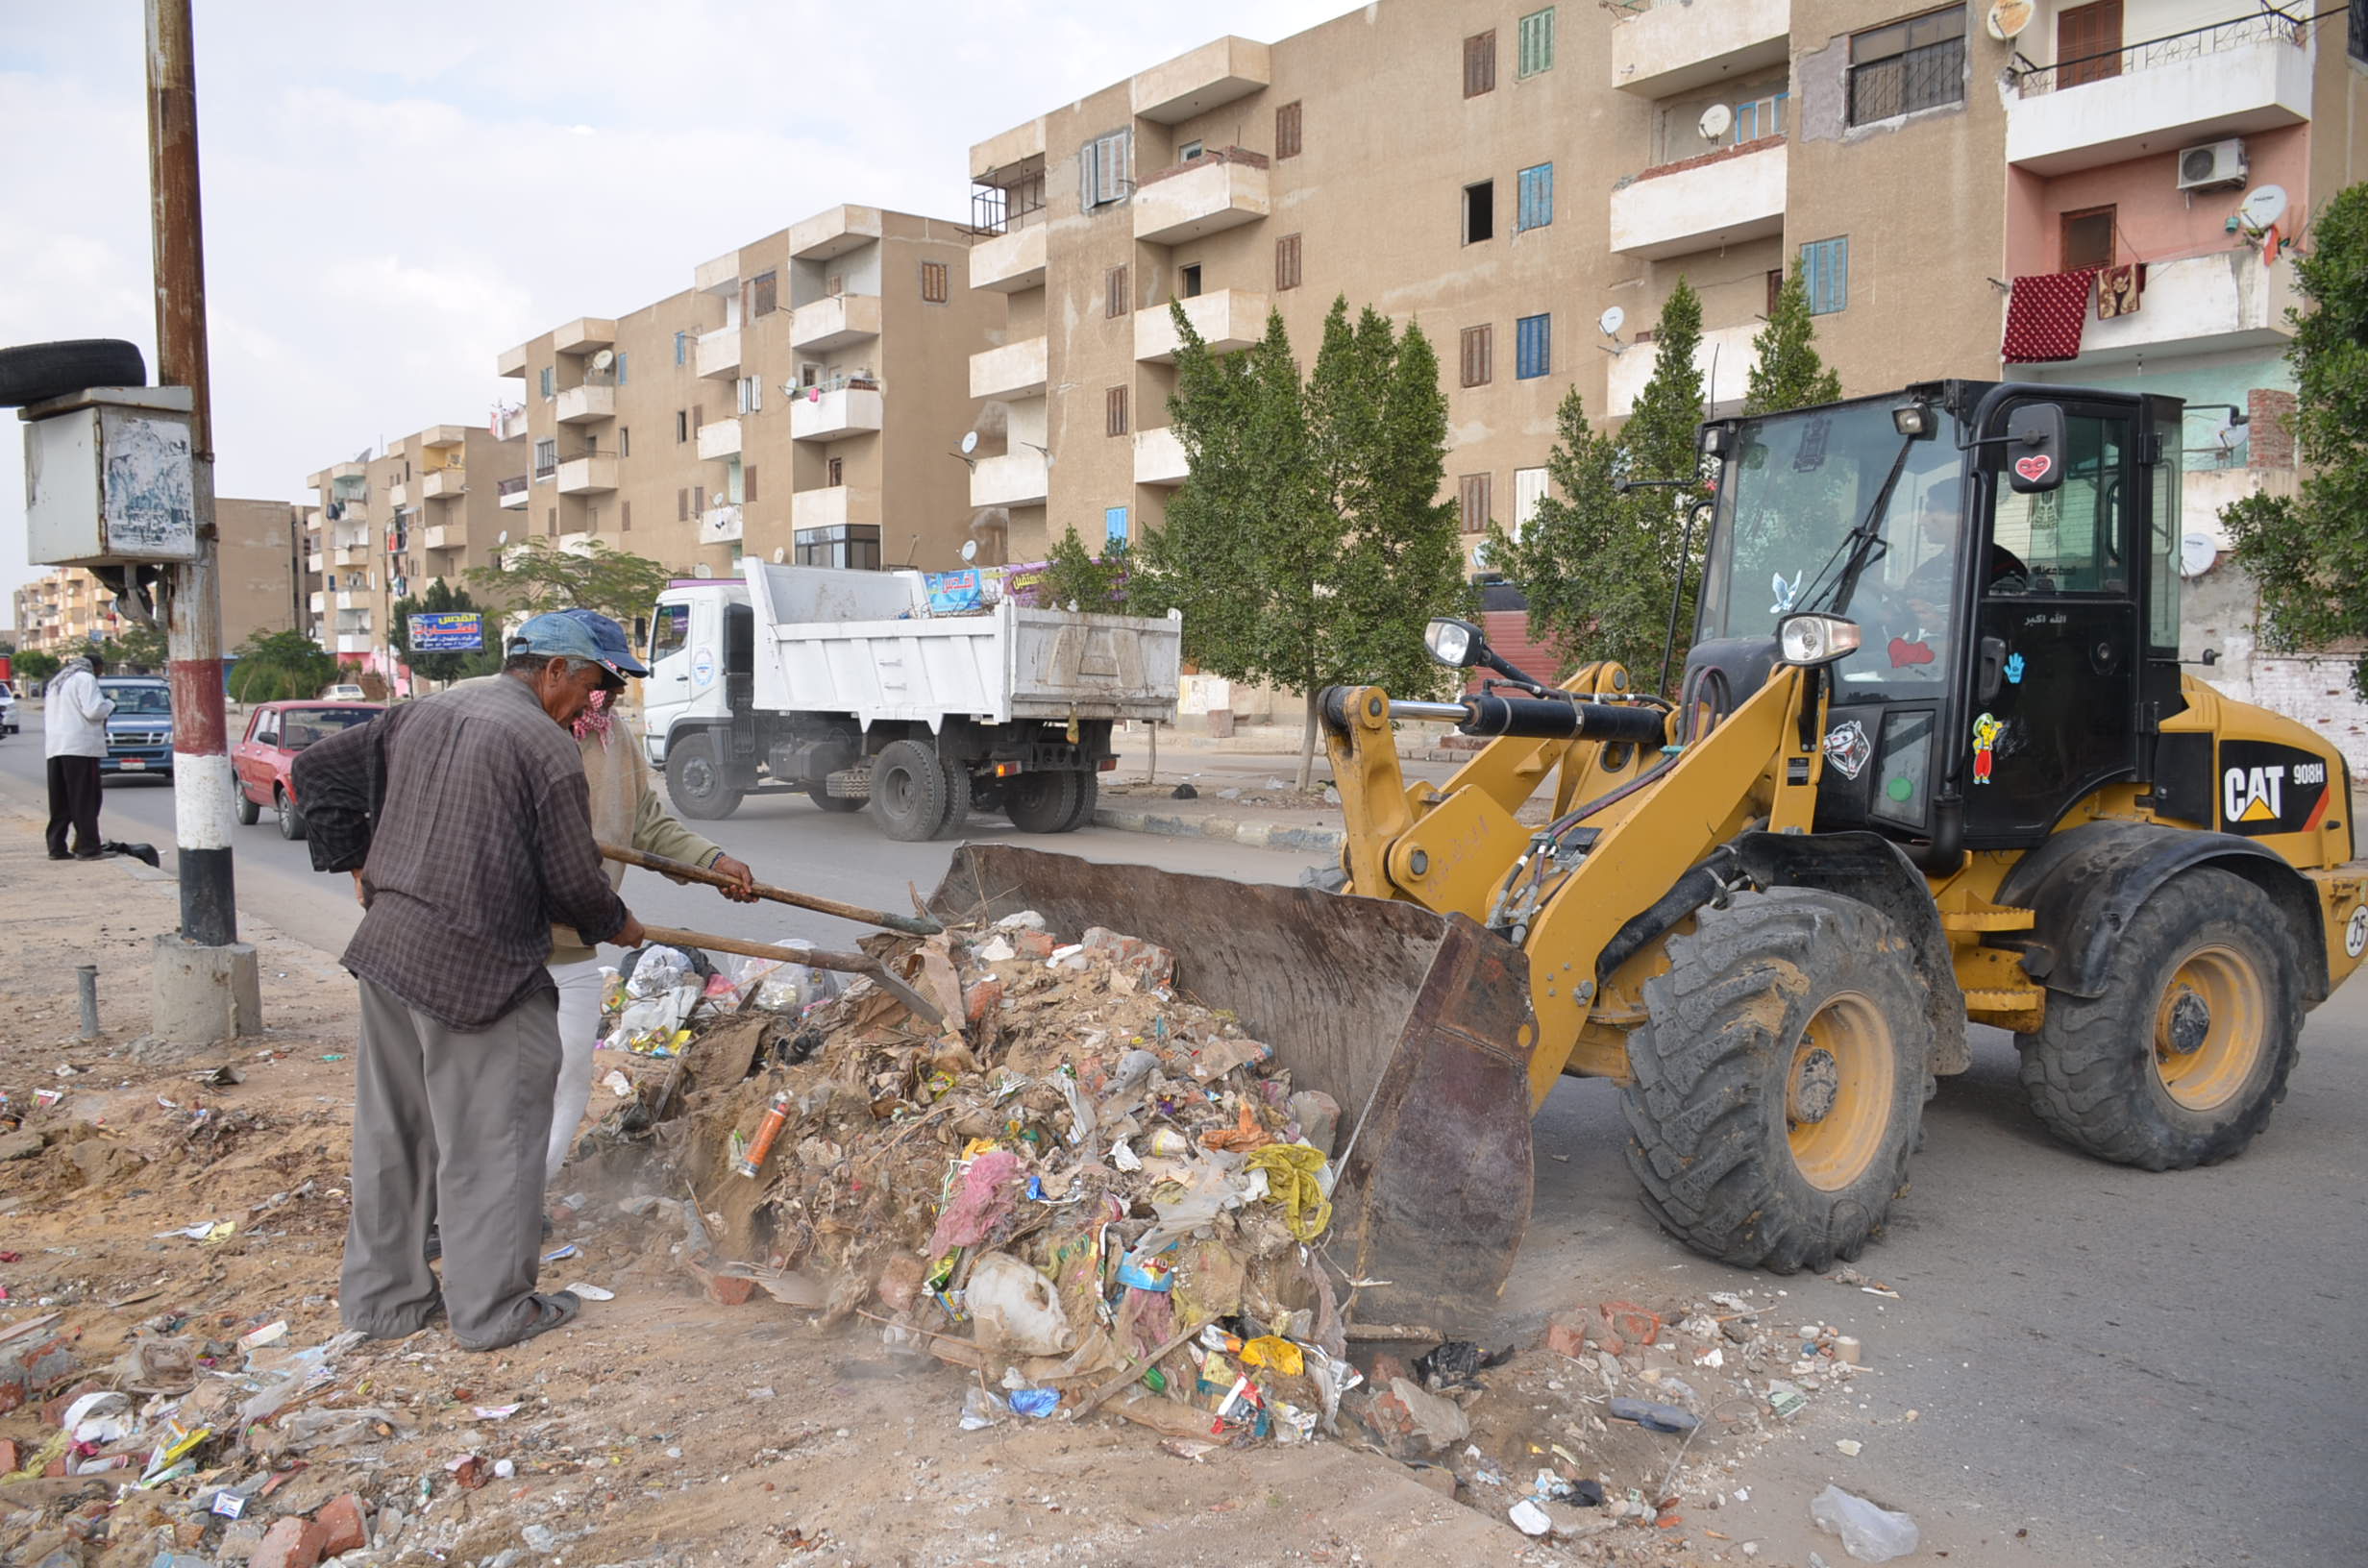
[[393, 194]]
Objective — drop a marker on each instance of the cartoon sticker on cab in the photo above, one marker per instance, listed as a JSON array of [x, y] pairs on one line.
[[1986, 732]]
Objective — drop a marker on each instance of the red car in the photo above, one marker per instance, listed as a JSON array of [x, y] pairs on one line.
[[276, 731]]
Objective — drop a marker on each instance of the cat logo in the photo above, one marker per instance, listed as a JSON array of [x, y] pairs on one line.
[[2252, 794]]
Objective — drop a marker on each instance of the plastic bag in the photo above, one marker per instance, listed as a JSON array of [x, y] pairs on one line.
[[656, 970], [1868, 1532]]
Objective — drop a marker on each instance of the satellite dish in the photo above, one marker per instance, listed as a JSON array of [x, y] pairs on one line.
[[2262, 207], [1480, 555], [603, 360], [778, 555], [1716, 122], [703, 570], [2008, 18], [969, 550], [2196, 554], [969, 442], [501, 538], [1612, 321]]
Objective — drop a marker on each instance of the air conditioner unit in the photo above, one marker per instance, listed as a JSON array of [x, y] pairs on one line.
[[2212, 164]]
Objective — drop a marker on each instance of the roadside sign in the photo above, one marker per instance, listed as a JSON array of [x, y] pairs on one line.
[[447, 631]]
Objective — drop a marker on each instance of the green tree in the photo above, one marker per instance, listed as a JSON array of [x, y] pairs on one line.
[[36, 665], [1073, 576], [281, 666], [1788, 372], [1310, 545], [139, 650], [443, 665], [537, 575], [2309, 554], [1600, 564]]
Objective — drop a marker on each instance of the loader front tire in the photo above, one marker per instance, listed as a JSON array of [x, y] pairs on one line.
[[2180, 1060], [1779, 1082]]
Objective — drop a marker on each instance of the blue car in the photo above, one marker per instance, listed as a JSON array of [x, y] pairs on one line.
[[139, 733]]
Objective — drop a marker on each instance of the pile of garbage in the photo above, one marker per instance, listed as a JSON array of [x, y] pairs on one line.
[[652, 1000], [1088, 1188]]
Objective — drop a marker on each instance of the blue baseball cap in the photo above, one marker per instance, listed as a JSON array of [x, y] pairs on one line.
[[583, 635]]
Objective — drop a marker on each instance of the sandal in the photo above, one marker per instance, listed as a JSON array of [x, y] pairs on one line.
[[554, 1311]]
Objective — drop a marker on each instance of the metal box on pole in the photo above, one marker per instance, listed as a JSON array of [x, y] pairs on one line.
[[109, 477]]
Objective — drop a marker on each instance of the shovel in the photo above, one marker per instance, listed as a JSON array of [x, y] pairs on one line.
[[863, 964], [905, 924]]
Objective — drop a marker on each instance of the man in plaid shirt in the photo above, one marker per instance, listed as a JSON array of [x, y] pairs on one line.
[[466, 821]]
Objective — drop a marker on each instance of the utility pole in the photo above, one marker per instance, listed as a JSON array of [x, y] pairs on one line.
[[207, 955]]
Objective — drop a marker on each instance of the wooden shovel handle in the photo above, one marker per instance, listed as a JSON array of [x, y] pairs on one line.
[[905, 924]]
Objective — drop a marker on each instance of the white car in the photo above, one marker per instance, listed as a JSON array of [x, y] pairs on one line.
[[8, 709], [344, 692]]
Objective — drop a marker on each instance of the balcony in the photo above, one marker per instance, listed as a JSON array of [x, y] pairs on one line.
[[1212, 75], [2162, 95], [353, 641], [443, 537], [1675, 46], [834, 506], [1016, 370], [837, 322], [1008, 150], [1014, 478], [312, 519], [836, 415], [509, 424], [585, 334], [1704, 203], [348, 599], [1227, 320], [1726, 350], [1159, 457], [720, 525], [1214, 192], [721, 276], [318, 604], [1010, 262], [512, 493], [719, 439], [592, 474], [511, 362], [2200, 304], [351, 555], [718, 352], [583, 405], [444, 483], [315, 563], [833, 233]]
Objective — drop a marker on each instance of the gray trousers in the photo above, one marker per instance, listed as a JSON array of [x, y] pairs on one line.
[[450, 1129]]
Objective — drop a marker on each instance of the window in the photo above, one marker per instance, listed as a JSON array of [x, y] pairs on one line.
[[2163, 593], [1190, 152], [1114, 412], [764, 295], [835, 474], [2088, 238], [682, 348], [1528, 490], [546, 457], [810, 373], [2069, 538], [1903, 67], [1472, 500], [682, 426], [1532, 347], [1775, 287], [625, 441], [1114, 524], [1480, 64], [749, 392], [698, 416], [1757, 117], [670, 630], [933, 282], [1479, 211], [852, 548], [1106, 168], [748, 483], [1188, 281], [1535, 208], [2359, 31], [551, 383], [1825, 273], [1287, 262], [625, 517], [1537, 45], [699, 500], [1287, 131], [620, 368], [1479, 355], [682, 505], [2088, 43], [1117, 299]]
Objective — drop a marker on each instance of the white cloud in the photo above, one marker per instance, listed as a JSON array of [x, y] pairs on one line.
[[390, 204]]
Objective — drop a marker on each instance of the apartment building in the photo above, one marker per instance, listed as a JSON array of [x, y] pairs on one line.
[[432, 504], [258, 567], [805, 399], [1528, 183]]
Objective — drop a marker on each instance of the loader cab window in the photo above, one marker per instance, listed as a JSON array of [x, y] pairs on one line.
[[2070, 539]]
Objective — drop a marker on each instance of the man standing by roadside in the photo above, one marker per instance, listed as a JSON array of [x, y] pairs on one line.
[[74, 718], [466, 820]]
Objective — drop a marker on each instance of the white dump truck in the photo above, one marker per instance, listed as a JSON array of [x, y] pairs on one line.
[[849, 687]]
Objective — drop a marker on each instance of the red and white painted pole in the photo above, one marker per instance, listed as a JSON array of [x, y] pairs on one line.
[[189, 597]]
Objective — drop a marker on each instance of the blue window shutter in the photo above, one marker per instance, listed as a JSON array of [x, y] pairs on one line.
[[682, 348], [1537, 197], [1113, 524], [1825, 274], [619, 369], [1532, 347]]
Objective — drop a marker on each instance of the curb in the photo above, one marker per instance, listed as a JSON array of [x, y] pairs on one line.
[[1257, 832]]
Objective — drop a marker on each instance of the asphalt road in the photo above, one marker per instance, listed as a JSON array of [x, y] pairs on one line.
[[2138, 1371]]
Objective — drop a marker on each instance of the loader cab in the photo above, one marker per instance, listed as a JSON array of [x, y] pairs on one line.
[[2008, 554]]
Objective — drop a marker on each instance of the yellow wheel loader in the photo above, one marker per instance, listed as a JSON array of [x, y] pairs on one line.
[[1933, 760]]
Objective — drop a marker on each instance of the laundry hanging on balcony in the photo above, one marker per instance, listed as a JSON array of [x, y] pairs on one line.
[[2120, 290], [2045, 315]]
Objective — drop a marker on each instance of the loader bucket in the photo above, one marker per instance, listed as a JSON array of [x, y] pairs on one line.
[[1416, 1023]]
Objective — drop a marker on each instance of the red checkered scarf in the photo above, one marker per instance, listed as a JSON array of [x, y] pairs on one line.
[[595, 718], [2045, 317]]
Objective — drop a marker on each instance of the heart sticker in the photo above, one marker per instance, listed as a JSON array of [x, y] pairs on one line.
[[2033, 469]]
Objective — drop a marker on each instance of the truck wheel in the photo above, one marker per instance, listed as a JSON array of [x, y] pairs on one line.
[[39, 371], [820, 793], [1780, 1083], [695, 781], [249, 813], [1089, 795], [1040, 802], [2181, 1058], [957, 798], [908, 791]]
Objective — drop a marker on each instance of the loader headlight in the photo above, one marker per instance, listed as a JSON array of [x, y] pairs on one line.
[[1815, 639], [1459, 644]]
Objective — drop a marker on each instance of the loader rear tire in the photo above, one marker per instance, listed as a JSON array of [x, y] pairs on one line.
[[1779, 1087], [908, 791], [2180, 1060]]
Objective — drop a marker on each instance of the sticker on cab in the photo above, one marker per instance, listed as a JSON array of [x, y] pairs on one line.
[[702, 667]]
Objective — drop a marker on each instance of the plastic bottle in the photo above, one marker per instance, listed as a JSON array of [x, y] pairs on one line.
[[777, 1118]]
